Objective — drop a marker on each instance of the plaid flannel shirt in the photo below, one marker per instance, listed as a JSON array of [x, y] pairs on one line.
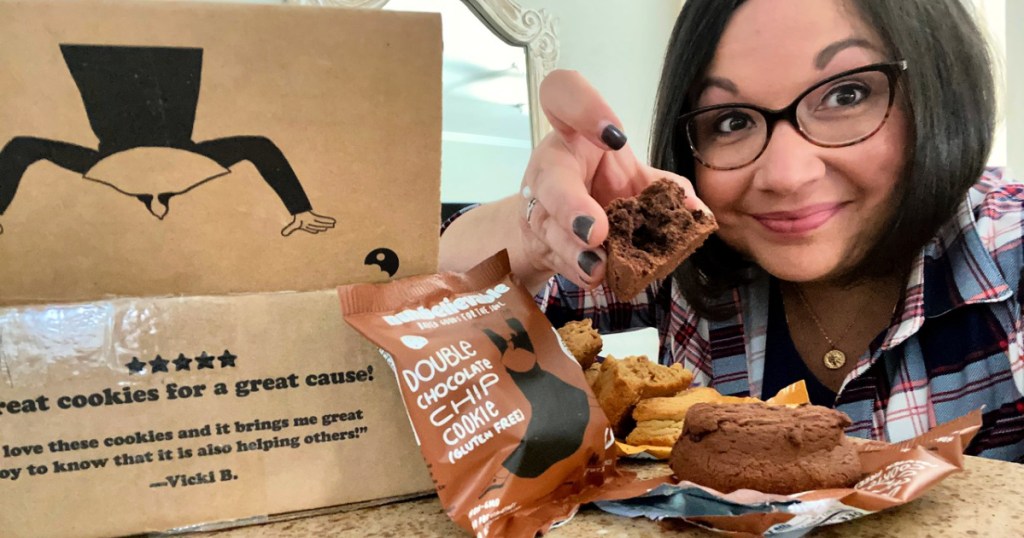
[[957, 345]]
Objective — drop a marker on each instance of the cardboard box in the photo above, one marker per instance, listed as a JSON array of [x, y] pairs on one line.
[[182, 186]]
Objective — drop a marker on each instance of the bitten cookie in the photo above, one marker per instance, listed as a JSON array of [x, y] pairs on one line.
[[771, 449], [622, 383], [582, 340], [650, 235]]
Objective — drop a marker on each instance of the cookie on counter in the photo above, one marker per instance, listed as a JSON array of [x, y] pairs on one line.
[[771, 449], [659, 421]]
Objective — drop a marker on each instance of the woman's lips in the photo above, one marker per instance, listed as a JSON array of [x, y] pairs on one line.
[[799, 221]]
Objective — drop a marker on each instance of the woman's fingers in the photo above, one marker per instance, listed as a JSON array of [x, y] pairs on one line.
[[559, 249], [574, 107], [559, 185]]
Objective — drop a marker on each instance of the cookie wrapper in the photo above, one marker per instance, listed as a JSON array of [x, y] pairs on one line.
[[513, 437], [895, 474]]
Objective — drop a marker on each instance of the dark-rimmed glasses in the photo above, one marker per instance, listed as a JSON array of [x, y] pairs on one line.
[[842, 110]]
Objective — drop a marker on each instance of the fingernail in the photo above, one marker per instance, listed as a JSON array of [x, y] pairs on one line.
[[581, 226], [613, 137], [587, 260]]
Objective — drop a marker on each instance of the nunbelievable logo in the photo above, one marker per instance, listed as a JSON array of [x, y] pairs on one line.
[[448, 307]]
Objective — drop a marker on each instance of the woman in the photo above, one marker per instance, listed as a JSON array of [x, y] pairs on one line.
[[862, 246]]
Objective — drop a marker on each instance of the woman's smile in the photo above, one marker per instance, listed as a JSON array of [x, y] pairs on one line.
[[800, 221]]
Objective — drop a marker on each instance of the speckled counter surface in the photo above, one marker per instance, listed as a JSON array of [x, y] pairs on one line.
[[986, 500]]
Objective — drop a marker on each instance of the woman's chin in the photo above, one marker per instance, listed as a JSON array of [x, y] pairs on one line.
[[809, 267]]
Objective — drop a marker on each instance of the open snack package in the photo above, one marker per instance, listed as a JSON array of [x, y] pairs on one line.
[[894, 474], [517, 434]]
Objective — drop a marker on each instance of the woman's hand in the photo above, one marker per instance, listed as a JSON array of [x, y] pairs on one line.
[[575, 172], [556, 223]]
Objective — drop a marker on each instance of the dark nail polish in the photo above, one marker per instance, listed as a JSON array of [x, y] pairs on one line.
[[581, 226], [613, 137], [588, 259]]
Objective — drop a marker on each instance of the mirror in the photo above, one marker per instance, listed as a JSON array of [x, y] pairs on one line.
[[495, 55]]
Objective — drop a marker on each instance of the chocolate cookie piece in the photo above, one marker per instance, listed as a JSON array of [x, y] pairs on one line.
[[771, 449], [650, 235]]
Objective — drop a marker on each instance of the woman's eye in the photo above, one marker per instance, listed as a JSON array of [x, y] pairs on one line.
[[732, 123], [845, 96]]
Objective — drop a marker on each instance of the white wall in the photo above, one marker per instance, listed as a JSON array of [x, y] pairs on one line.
[[1014, 95], [618, 45], [992, 16]]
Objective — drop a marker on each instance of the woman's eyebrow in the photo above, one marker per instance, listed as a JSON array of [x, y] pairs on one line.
[[827, 53], [719, 82], [821, 60]]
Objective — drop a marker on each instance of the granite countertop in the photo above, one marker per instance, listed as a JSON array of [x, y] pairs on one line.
[[987, 499]]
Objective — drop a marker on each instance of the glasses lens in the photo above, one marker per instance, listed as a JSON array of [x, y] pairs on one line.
[[727, 137], [845, 110]]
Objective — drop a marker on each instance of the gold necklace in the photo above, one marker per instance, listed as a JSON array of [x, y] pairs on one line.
[[833, 359]]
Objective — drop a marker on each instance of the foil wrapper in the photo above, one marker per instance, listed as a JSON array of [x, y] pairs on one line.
[[895, 474]]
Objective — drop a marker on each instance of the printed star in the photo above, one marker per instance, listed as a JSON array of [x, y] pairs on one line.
[[227, 359], [182, 363], [136, 366], [159, 364], [204, 361]]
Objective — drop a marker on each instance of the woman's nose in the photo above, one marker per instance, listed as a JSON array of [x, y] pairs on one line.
[[788, 163]]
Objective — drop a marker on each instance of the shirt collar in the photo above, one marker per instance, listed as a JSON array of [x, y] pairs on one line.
[[953, 270]]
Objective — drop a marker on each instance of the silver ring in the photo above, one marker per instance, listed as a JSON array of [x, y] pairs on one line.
[[529, 209]]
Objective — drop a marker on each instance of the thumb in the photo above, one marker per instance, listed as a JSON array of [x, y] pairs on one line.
[[292, 227]]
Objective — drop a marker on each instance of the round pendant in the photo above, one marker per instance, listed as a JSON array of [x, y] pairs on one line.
[[834, 359]]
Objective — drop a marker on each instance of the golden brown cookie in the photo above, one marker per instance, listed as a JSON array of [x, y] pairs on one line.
[[659, 421], [622, 383], [655, 432], [591, 374], [582, 340]]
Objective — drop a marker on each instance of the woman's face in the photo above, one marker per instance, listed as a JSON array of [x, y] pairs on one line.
[[800, 211]]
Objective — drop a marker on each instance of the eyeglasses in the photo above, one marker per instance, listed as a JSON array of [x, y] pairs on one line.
[[840, 111]]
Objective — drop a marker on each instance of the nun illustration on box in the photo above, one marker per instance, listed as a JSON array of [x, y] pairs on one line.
[[141, 103], [559, 411]]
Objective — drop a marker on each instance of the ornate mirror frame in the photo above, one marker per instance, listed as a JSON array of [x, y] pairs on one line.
[[534, 30]]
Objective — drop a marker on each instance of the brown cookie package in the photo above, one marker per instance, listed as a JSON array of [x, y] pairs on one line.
[[512, 436]]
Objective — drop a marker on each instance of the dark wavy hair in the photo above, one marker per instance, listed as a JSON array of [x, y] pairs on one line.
[[949, 95]]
